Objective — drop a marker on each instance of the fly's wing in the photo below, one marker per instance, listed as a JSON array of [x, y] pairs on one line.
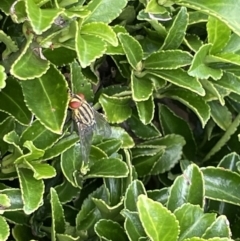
[[86, 134], [102, 128]]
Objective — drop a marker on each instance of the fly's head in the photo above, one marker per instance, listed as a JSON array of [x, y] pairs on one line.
[[76, 101]]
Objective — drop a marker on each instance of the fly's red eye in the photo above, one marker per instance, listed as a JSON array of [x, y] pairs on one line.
[[81, 96], [74, 104]]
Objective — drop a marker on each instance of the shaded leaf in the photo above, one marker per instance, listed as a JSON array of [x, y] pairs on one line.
[[193, 101], [12, 102], [107, 229]]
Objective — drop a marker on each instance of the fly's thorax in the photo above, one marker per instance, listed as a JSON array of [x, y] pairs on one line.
[[84, 114]]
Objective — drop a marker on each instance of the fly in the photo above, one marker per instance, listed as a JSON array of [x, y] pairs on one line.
[[87, 120]]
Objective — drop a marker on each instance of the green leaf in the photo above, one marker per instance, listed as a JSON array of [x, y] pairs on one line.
[[171, 123], [230, 162], [6, 5], [199, 69], [108, 168], [169, 59], [177, 31], [219, 9], [18, 12], [191, 100], [229, 82], [71, 161], [132, 49], [89, 214], [133, 191], [140, 129], [10, 46], [58, 222], [145, 164], [12, 102], [120, 134], [233, 44], [148, 150], [159, 195], [59, 56], [41, 19], [154, 7], [42, 170], [61, 146], [224, 139], [5, 127], [32, 190], [116, 109], [104, 10], [193, 221], [218, 34], [133, 225], [67, 237], [22, 232], [15, 197], [41, 137], [158, 81], [157, 156], [50, 93], [219, 228], [197, 17], [66, 192], [107, 229], [106, 210], [170, 153], [158, 222], [24, 67], [110, 146], [33, 154], [221, 115], [3, 77], [4, 201], [89, 48], [193, 42], [225, 58], [118, 50], [141, 87], [184, 189], [4, 229], [213, 92], [181, 78], [101, 30], [80, 84], [220, 184], [146, 110], [114, 186]]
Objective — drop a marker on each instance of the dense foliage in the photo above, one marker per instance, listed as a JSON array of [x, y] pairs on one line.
[[166, 75]]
